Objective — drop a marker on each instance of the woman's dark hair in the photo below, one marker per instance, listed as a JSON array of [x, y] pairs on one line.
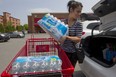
[[73, 4]]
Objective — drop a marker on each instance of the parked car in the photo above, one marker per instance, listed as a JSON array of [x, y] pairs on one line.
[[88, 26], [100, 49], [16, 34], [4, 38]]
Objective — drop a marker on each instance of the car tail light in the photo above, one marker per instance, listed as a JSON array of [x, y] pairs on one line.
[[83, 33]]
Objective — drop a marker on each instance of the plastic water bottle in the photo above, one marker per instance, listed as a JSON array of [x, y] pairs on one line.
[[44, 66], [58, 65], [25, 67], [52, 65], [34, 66], [16, 68]]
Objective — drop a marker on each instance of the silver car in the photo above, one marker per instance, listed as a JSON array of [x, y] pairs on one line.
[[88, 25], [16, 35], [100, 50]]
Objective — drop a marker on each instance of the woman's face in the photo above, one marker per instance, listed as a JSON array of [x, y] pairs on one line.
[[76, 12]]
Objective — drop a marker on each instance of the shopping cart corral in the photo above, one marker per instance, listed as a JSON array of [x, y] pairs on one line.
[[42, 47]]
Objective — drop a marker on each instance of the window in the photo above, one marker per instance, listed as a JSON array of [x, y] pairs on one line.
[[92, 25]]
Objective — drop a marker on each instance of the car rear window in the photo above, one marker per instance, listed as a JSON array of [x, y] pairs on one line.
[[92, 25]]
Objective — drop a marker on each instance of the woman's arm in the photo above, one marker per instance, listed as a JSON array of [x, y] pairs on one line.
[[74, 38]]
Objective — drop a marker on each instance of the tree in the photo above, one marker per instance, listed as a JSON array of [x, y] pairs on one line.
[[25, 26], [19, 28], [9, 27], [13, 28], [9, 23], [2, 28]]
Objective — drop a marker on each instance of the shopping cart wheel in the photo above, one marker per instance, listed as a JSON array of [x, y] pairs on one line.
[[78, 74]]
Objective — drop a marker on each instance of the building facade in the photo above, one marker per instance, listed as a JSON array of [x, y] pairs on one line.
[[1, 19], [33, 27], [6, 17]]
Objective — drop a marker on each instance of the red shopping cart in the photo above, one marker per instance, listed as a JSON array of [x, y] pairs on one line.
[[42, 46]]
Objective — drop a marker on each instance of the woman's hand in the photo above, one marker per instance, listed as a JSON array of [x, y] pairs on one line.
[[62, 39]]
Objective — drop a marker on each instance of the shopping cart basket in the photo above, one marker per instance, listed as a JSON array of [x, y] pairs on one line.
[[42, 46]]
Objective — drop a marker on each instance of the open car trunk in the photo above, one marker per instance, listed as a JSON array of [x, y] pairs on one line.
[[94, 46]]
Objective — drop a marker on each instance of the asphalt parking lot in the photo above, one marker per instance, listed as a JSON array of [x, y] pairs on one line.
[[9, 49]]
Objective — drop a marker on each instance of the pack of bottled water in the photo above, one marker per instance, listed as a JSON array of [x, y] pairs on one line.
[[21, 64], [53, 26], [36, 64]]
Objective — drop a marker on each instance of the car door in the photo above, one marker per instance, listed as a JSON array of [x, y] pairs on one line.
[[15, 34], [11, 34]]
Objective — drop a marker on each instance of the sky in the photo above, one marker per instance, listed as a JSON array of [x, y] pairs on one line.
[[22, 8]]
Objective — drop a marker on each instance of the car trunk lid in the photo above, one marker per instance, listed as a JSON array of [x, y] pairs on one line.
[[106, 10]]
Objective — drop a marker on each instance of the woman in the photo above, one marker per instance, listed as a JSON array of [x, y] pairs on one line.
[[75, 31]]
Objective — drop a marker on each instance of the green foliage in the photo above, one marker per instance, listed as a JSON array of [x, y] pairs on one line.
[[19, 28], [2, 28], [13, 28], [9, 27], [9, 23], [25, 26]]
